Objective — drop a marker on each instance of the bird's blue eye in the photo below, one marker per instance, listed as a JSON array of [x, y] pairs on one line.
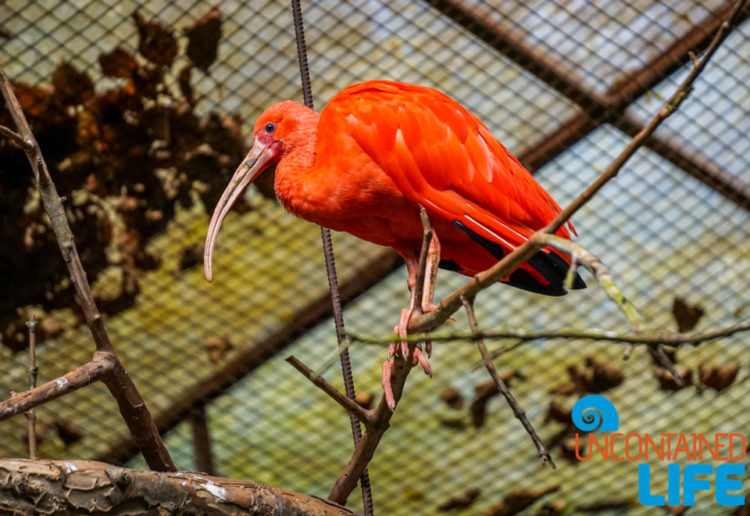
[[270, 127]]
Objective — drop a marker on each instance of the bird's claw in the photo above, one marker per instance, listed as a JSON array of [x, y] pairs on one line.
[[402, 348], [390, 400], [420, 358]]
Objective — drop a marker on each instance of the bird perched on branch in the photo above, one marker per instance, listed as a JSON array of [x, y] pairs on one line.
[[378, 152]]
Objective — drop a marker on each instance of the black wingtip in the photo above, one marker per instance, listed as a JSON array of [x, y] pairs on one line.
[[549, 264], [552, 266]]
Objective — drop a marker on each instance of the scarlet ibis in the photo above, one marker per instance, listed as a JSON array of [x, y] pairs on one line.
[[380, 150]]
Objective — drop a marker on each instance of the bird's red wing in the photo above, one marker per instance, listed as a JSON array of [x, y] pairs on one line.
[[441, 156]]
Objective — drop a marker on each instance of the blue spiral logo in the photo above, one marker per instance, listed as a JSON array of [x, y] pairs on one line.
[[594, 412]]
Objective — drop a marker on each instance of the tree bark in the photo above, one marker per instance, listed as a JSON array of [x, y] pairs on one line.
[[80, 486]]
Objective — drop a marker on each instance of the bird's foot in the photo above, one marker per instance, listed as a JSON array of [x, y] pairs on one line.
[[402, 348], [402, 330]]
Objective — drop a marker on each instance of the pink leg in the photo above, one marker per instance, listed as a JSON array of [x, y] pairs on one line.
[[430, 277], [424, 305]]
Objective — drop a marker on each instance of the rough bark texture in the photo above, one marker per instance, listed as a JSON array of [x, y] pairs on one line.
[[80, 487]]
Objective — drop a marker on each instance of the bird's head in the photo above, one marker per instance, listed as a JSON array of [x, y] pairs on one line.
[[281, 129]]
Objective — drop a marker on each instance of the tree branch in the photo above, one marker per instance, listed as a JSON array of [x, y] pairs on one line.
[[602, 275], [669, 107], [351, 406], [14, 137], [518, 411], [82, 486], [130, 402], [633, 338], [450, 304], [100, 366]]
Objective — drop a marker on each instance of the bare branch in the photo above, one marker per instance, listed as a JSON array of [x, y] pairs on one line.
[[86, 487], [518, 411], [100, 366], [512, 260], [130, 402], [14, 137], [669, 107], [59, 222], [351, 406], [632, 338], [142, 426]]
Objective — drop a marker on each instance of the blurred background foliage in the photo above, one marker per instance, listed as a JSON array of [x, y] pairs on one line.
[[143, 109]]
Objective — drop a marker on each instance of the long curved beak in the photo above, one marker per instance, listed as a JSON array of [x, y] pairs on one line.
[[254, 163]]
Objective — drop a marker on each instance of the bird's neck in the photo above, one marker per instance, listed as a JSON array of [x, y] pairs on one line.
[[296, 165], [302, 157]]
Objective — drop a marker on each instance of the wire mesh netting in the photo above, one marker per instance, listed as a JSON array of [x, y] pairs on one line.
[[547, 77]]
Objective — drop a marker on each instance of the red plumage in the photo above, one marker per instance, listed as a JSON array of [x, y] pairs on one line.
[[380, 149]]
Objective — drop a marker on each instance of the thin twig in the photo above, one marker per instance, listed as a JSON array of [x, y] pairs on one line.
[[505, 349], [351, 406], [602, 275], [518, 411], [130, 402], [632, 338], [451, 303], [669, 107], [14, 137], [661, 357], [33, 371], [98, 368]]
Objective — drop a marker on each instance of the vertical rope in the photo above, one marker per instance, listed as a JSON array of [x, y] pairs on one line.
[[338, 316]]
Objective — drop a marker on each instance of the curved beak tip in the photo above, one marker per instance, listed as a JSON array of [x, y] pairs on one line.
[[208, 270], [254, 163]]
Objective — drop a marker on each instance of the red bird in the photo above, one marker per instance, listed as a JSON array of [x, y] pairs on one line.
[[379, 151]]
